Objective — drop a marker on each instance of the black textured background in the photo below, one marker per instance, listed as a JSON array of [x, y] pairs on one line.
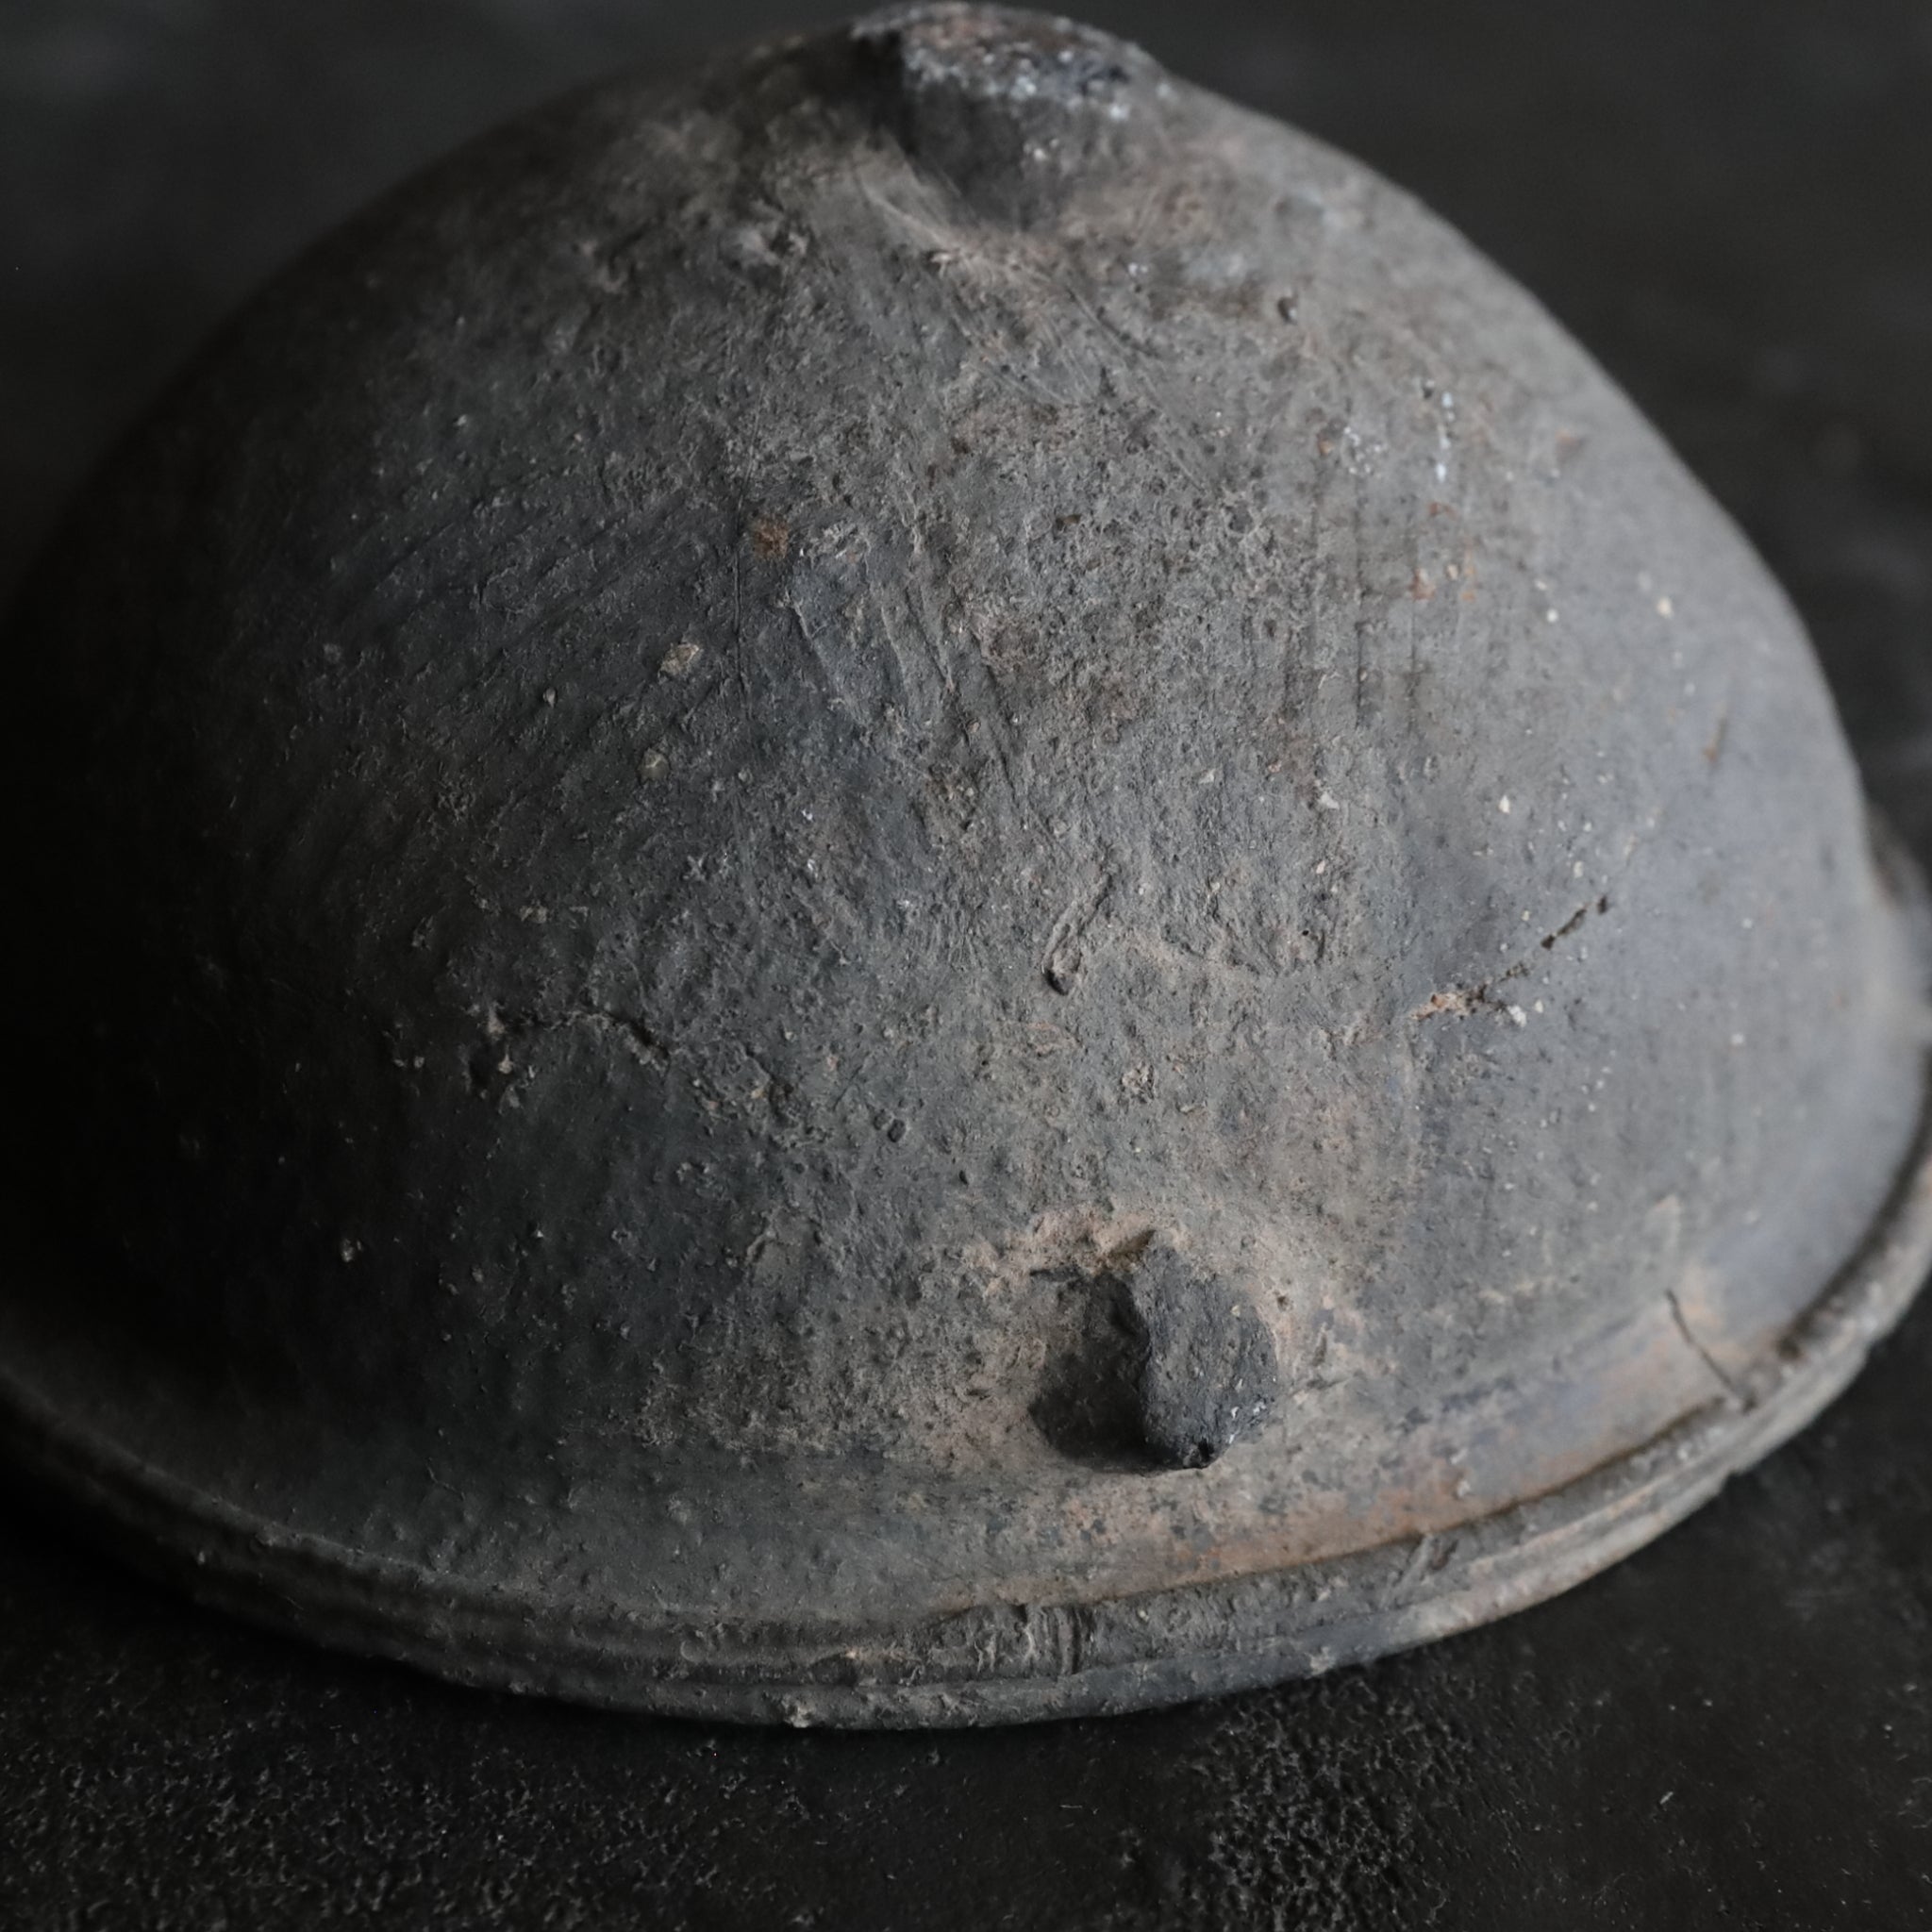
[[1730, 201]]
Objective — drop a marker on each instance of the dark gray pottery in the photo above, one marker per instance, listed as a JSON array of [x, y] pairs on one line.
[[920, 887]]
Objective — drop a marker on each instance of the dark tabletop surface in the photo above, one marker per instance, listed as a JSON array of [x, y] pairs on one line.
[[1730, 201]]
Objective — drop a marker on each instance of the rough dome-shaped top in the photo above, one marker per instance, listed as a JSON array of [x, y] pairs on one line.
[[925, 885]]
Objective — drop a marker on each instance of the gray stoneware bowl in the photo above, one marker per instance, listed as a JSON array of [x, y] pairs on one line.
[[923, 886]]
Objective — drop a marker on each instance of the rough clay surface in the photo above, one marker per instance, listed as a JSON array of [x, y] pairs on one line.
[[1729, 1729], [740, 740]]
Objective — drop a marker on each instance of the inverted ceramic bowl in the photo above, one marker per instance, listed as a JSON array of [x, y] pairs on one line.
[[925, 886]]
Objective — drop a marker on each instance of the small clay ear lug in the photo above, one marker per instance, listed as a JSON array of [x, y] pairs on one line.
[[1011, 109], [1205, 1374]]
